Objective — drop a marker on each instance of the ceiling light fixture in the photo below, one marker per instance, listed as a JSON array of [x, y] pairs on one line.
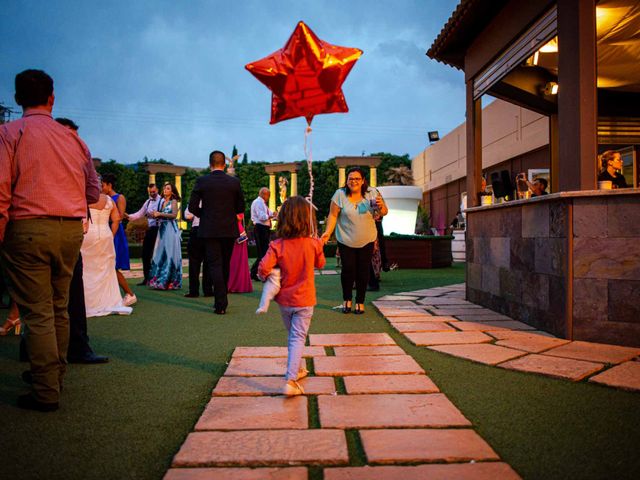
[[551, 88]]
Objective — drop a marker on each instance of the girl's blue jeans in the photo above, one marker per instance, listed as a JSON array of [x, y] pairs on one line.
[[297, 321]]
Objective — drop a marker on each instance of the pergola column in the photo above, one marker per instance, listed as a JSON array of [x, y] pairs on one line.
[[373, 177], [474, 146], [272, 189], [178, 184], [577, 97], [342, 176], [294, 184], [152, 178]]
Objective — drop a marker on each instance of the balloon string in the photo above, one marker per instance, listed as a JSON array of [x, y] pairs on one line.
[[308, 153]]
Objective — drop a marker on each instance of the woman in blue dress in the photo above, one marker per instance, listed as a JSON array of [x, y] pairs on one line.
[[166, 263], [120, 238]]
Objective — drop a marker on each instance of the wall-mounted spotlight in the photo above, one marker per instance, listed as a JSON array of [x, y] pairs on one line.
[[434, 136], [551, 88]]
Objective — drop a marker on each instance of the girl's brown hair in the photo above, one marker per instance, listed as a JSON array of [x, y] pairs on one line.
[[296, 218]]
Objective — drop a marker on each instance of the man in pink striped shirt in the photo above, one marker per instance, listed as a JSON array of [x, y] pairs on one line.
[[47, 179]]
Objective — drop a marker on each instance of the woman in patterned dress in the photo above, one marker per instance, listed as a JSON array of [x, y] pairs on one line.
[[166, 263]]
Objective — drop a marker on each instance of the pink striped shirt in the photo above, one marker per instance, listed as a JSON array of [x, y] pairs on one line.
[[45, 170]]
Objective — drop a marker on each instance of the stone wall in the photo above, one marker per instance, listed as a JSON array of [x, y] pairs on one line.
[[524, 258], [606, 269]]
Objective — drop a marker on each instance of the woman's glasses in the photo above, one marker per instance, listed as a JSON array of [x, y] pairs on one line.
[[350, 179]]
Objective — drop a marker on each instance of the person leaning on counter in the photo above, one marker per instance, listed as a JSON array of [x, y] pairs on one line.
[[611, 168]]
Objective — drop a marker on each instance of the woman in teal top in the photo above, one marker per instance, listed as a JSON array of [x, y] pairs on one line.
[[352, 214]]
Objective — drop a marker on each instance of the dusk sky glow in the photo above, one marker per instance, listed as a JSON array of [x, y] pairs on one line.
[[166, 79]]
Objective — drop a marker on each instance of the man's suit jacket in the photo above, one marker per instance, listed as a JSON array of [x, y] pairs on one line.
[[222, 200]]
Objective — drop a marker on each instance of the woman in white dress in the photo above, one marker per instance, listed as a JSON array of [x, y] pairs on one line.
[[101, 291]]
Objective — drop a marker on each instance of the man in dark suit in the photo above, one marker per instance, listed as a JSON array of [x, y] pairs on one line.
[[222, 200]]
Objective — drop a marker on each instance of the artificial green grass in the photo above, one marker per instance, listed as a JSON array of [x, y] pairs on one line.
[[127, 419]]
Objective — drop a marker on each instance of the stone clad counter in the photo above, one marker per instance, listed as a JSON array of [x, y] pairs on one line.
[[567, 263]]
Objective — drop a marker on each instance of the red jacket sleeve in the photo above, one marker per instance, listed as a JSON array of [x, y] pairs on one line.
[[269, 261]]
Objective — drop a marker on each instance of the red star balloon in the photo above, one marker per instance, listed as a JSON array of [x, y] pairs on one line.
[[306, 76]]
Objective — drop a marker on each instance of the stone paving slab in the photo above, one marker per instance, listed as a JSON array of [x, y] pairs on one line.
[[509, 334], [455, 471], [258, 386], [594, 352], [463, 306], [395, 298], [394, 304], [446, 338], [350, 339], [363, 384], [389, 411], [457, 310], [459, 294], [509, 324], [558, 367], [256, 367], [426, 318], [257, 448], [404, 312], [488, 317], [290, 473], [366, 351], [443, 301], [625, 376], [404, 327], [476, 327], [428, 445], [366, 365], [480, 352], [424, 293], [531, 343], [254, 413], [274, 352]]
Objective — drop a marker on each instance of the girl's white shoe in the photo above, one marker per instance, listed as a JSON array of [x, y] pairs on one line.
[[292, 388]]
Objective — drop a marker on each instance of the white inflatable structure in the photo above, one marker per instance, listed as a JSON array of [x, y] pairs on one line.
[[402, 201]]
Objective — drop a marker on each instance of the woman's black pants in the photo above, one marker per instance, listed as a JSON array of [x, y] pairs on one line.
[[355, 268]]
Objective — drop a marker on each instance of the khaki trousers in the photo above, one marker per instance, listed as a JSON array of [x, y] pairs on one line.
[[38, 256]]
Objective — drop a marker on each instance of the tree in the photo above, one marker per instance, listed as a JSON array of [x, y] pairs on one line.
[[245, 159], [234, 152]]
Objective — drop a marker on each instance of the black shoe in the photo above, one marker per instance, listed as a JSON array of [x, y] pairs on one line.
[[346, 309], [358, 310], [27, 377], [29, 403], [89, 359], [191, 295], [219, 311], [386, 267]]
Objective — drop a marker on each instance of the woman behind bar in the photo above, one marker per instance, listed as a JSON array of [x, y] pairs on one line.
[[611, 168], [352, 213]]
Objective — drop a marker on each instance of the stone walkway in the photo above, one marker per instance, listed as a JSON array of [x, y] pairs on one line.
[[365, 395], [442, 320]]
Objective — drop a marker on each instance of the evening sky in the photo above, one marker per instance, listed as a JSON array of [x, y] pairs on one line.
[[166, 79]]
